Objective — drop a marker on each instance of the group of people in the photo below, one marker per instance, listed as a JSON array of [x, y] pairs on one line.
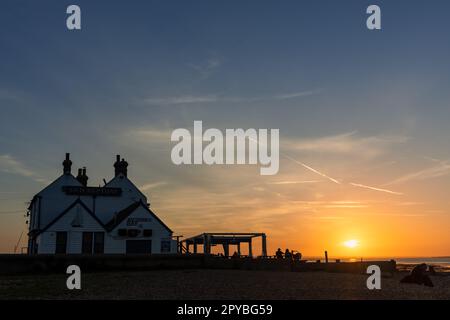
[[290, 255]]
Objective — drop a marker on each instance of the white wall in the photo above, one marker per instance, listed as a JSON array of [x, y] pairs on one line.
[[53, 201], [113, 243], [116, 244], [47, 239], [106, 207]]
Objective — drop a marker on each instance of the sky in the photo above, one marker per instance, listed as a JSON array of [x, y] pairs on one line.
[[363, 115]]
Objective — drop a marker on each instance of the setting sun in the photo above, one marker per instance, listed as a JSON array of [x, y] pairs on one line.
[[351, 243]]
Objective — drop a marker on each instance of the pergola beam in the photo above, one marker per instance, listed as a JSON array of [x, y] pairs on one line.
[[226, 239]]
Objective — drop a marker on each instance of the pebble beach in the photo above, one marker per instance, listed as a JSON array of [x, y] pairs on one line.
[[220, 284]]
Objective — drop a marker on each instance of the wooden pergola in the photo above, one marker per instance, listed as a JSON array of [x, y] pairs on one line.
[[225, 239]]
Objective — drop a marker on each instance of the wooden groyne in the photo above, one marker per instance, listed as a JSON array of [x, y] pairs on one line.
[[20, 264]]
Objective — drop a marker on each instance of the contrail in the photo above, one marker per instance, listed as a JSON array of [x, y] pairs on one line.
[[311, 169], [303, 165], [332, 179], [373, 188]]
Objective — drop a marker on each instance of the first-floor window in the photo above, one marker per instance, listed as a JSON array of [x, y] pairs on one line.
[[93, 242], [61, 243]]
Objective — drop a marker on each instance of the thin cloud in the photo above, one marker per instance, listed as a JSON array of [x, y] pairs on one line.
[[181, 100], [11, 95], [153, 185], [151, 133], [294, 182], [293, 95], [207, 68], [344, 206], [213, 98], [346, 143], [439, 170], [11, 165], [375, 188]]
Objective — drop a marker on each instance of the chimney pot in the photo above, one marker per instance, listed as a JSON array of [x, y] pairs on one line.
[[67, 164]]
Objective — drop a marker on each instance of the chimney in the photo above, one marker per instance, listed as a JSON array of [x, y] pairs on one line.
[[120, 167], [80, 175], [124, 167], [84, 177], [67, 164], [117, 166]]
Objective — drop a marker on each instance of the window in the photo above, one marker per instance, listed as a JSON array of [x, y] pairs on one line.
[[147, 233], [86, 246], [61, 242], [165, 246], [93, 242], [99, 242]]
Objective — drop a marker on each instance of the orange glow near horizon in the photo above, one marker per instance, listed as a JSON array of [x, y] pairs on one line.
[[310, 217]]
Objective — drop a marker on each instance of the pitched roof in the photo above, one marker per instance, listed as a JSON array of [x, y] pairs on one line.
[[122, 176], [122, 215], [78, 201], [71, 181]]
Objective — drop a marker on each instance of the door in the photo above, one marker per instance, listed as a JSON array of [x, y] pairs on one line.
[[139, 246]]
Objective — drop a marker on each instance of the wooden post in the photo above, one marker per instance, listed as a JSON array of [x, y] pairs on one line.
[[226, 249], [250, 253], [207, 244], [326, 256], [239, 249], [264, 245]]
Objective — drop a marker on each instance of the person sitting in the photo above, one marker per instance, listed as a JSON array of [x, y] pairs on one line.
[[287, 254], [297, 256], [279, 254], [235, 255], [418, 275]]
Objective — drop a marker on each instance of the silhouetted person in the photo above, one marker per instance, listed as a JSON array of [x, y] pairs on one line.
[[297, 256], [418, 275], [279, 254], [287, 254], [235, 255], [431, 270]]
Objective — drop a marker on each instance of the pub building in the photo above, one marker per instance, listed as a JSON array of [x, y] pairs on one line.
[[68, 217]]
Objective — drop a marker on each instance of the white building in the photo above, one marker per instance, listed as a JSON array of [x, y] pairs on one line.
[[68, 217]]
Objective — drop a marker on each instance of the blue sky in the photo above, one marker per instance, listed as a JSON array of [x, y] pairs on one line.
[[346, 100]]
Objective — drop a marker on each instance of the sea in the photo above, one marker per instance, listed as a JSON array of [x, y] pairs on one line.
[[440, 263]]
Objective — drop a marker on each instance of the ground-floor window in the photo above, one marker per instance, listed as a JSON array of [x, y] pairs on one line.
[[93, 242], [139, 246], [99, 242], [165, 246], [61, 243]]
